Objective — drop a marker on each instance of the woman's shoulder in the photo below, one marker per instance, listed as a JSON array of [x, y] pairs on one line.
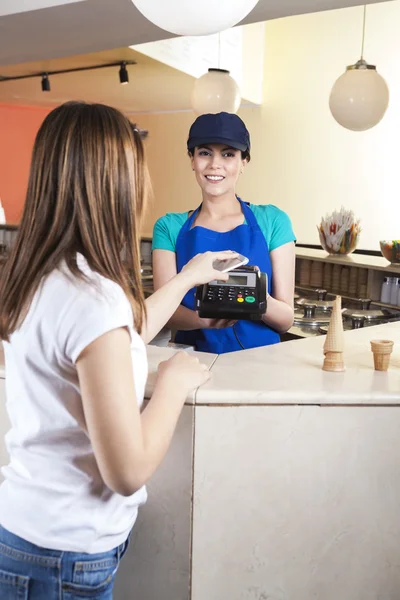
[[275, 223], [166, 230], [268, 211], [93, 306], [172, 219], [92, 289]]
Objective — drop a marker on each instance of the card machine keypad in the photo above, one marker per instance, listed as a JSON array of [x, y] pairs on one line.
[[230, 294], [242, 297]]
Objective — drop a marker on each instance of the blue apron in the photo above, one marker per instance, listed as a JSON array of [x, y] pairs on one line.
[[246, 239]]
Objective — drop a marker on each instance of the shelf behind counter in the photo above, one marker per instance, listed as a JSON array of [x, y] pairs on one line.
[[365, 261]]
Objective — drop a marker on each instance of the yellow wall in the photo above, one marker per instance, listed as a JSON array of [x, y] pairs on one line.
[[173, 185], [313, 164], [302, 160], [253, 62]]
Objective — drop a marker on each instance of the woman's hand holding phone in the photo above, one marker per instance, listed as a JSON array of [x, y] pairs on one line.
[[231, 263], [207, 267], [200, 269]]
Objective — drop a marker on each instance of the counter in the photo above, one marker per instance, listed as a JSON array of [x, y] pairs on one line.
[[281, 482], [291, 373]]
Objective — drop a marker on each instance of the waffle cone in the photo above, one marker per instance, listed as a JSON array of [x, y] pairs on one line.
[[333, 362], [382, 350], [334, 341]]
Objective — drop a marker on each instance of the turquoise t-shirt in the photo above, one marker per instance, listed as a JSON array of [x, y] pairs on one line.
[[273, 222]]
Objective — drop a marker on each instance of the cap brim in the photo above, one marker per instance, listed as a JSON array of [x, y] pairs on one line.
[[195, 142]]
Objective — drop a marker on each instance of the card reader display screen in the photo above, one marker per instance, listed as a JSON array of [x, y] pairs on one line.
[[237, 280]]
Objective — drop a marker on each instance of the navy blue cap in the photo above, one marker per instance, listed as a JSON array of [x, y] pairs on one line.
[[222, 128]]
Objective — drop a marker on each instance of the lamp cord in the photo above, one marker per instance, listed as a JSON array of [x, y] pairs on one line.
[[236, 336], [363, 32]]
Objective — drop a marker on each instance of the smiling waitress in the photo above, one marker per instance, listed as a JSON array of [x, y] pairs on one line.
[[219, 150]]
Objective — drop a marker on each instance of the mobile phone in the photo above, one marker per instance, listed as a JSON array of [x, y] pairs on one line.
[[230, 263]]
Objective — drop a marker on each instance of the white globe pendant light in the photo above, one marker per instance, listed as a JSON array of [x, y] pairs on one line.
[[215, 92], [360, 97], [195, 17]]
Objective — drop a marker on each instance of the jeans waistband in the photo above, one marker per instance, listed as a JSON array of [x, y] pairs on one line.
[[12, 544]]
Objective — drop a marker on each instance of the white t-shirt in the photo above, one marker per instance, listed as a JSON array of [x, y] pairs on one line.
[[53, 494]]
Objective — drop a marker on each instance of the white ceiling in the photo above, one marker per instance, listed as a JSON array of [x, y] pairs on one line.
[[59, 28], [92, 32], [12, 7], [152, 85]]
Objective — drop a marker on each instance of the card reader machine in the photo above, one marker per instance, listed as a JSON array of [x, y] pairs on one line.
[[242, 297]]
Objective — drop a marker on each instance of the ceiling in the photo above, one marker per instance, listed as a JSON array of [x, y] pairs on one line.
[[60, 35], [12, 7], [59, 28], [102, 85]]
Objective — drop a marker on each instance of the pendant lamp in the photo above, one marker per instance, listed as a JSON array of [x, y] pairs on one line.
[[215, 92], [192, 17], [360, 97]]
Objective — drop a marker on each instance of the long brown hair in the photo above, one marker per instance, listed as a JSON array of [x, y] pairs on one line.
[[87, 190]]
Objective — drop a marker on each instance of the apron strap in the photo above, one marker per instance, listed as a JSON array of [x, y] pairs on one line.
[[248, 214], [193, 216]]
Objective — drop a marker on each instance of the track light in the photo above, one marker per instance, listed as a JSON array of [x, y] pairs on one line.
[[45, 83], [123, 74]]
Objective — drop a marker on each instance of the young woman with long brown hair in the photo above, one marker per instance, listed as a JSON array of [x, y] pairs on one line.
[[74, 324]]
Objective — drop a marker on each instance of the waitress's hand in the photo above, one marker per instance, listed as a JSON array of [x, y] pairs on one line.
[[200, 268], [216, 323]]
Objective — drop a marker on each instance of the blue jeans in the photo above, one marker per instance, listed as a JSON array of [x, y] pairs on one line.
[[28, 572]]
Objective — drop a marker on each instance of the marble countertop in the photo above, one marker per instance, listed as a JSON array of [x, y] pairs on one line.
[[291, 373]]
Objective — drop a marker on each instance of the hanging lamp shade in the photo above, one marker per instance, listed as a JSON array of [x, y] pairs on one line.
[[360, 97], [192, 17], [215, 92]]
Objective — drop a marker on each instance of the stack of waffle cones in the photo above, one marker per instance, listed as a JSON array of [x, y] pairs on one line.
[[353, 281], [334, 342], [362, 283], [344, 280], [382, 350], [327, 276], [335, 282], [316, 274], [305, 272]]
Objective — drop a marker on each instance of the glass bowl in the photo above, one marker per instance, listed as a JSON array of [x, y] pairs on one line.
[[347, 246], [390, 250]]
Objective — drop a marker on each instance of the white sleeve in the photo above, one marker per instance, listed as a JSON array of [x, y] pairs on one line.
[[94, 310]]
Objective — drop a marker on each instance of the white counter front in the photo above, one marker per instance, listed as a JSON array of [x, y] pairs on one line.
[[281, 482]]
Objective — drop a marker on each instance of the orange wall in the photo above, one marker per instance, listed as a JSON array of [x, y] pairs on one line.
[[18, 128]]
